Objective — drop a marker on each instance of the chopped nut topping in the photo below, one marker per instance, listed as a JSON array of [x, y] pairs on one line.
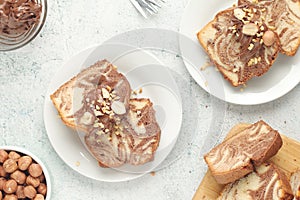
[[250, 46], [98, 113], [105, 93], [99, 133], [108, 88], [118, 107], [239, 13], [250, 29], [235, 69]]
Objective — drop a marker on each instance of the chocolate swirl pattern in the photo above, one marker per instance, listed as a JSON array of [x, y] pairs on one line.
[[132, 139], [265, 183], [295, 184], [237, 156], [17, 18], [236, 42], [118, 129], [283, 16]]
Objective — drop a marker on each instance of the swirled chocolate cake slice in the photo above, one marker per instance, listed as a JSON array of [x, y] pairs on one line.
[[132, 139], [239, 43], [267, 182], [238, 155], [283, 17], [91, 94], [295, 184], [117, 129]]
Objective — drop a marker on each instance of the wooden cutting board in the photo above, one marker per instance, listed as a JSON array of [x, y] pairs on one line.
[[287, 159]]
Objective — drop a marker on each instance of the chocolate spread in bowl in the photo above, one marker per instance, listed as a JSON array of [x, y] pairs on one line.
[[18, 17]]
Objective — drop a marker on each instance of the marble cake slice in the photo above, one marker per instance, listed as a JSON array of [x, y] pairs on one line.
[[267, 182], [283, 16], [117, 129], [295, 184], [90, 95], [238, 155], [239, 43], [133, 139]]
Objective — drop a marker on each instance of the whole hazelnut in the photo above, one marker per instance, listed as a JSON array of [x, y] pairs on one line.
[[42, 178], [10, 197], [39, 197], [269, 38], [10, 186], [32, 181], [2, 171], [2, 182], [20, 192], [10, 165], [14, 155], [24, 162], [18, 176], [35, 170], [3, 155], [29, 191], [42, 189]]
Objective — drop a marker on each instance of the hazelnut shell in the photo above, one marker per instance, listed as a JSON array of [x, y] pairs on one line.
[[29, 191], [10, 186], [10, 165], [3, 155], [35, 170]]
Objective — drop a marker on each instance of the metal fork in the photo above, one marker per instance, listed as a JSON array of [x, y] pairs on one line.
[[151, 6]]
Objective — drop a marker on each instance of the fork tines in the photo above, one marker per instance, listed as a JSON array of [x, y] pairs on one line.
[[151, 6]]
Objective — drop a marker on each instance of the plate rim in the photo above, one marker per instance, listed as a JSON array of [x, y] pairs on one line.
[[228, 97], [49, 91]]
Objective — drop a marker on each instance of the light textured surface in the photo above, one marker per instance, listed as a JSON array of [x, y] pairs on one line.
[[72, 26]]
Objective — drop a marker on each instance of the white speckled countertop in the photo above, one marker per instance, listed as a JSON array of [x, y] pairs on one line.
[[72, 26]]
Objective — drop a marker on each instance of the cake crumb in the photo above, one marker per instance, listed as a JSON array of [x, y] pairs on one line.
[[140, 90], [77, 163], [134, 92], [205, 65], [152, 173], [206, 83]]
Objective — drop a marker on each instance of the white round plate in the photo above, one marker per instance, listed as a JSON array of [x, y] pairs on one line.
[[283, 76], [142, 70]]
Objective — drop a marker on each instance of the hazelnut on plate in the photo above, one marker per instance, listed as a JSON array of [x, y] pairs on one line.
[[269, 38]]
